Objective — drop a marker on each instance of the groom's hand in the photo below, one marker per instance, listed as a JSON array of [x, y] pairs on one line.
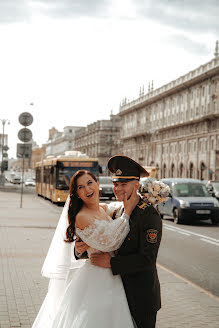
[[80, 246], [101, 260]]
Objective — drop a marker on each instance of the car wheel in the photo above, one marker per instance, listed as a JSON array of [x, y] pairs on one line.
[[176, 217]]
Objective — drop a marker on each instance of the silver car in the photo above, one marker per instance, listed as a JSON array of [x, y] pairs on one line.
[[189, 201], [106, 187]]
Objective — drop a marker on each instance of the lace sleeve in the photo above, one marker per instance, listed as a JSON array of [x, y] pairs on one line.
[[106, 236]]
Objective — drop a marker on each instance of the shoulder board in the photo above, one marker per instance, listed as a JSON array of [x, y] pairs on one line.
[[142, 205]]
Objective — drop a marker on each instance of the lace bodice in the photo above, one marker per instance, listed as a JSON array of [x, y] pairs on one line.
[[105, 236]]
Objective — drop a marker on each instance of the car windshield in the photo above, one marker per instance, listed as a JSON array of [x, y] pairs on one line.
[[105, 180], [216, 186], [190, 190]]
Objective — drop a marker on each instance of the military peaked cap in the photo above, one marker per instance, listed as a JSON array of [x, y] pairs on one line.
[[125, 169]]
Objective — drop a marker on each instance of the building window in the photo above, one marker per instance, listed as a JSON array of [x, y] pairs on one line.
[[181, 170], [212, 144], [164, 170], [172, 170], [215, 106], [202, 168], [191, 170]]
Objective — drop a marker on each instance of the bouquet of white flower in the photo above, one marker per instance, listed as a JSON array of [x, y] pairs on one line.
[[155, 192]]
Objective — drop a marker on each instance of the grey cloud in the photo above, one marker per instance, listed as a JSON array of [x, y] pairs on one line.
[[199, 16], [21, 10], [189, 45], [14, 11], [67, 8]]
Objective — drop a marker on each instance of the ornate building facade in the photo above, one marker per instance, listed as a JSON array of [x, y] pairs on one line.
[[176, 127], [99, 139], [59, 142]]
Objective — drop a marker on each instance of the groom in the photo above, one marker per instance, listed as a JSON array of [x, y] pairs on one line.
[[135, 260]]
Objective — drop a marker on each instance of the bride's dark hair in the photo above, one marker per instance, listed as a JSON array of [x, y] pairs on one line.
[[75, 203]]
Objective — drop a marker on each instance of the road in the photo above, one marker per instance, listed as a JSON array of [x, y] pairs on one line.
[[192, 251]]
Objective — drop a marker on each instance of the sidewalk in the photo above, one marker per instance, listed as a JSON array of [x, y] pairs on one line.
[[25, 235]]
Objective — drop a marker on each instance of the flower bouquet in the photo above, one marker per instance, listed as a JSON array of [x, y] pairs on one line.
[[154, 192]]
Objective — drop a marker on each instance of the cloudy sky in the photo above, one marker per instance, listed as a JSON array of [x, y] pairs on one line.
[[75, 60]]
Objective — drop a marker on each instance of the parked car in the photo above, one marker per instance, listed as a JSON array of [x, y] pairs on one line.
[[29, 182], [213, 188], [189, 200], [16, 180], [106, 187]]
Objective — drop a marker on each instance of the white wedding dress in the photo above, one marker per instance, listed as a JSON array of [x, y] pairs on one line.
[[86, 296]]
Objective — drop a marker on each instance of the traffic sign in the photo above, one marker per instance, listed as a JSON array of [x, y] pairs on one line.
[[25, 119], [5, 148], [24, 150], [25, 135]]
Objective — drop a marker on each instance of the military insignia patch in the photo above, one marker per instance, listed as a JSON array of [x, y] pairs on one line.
[[151, 236], [118, 172], [142, 205]]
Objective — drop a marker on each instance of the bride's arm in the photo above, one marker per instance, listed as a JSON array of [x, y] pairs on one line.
[[106, 235], [80, 246]]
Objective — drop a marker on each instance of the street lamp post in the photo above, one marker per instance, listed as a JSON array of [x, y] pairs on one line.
[[4, 121]]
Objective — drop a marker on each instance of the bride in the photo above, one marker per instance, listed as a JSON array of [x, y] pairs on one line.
[[81, 295]]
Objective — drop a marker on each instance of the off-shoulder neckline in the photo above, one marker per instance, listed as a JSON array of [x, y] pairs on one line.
[[90, 225]]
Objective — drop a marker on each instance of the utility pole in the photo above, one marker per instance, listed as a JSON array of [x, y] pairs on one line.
[[4, 121]]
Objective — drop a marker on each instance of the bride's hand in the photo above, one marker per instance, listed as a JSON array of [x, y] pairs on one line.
[[80, 246], [130, 204]]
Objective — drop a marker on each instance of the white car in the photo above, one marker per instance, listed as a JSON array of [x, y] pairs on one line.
[[30, 182]]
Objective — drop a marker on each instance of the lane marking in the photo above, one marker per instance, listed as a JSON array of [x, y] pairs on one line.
[[209, 241], [184, 233], [172, 229], [191, 232], [188, 282]]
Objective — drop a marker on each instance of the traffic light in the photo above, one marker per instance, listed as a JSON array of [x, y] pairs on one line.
[[5, 165]]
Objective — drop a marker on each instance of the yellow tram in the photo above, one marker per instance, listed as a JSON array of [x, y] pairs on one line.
[[53, 174]]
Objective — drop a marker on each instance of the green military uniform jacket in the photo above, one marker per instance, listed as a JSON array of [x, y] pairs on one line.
[[136, 259]]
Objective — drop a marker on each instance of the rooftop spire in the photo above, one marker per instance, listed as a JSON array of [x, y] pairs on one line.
[[216, 50]]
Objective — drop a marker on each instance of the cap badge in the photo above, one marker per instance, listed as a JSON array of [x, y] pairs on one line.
[[118, 172]]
